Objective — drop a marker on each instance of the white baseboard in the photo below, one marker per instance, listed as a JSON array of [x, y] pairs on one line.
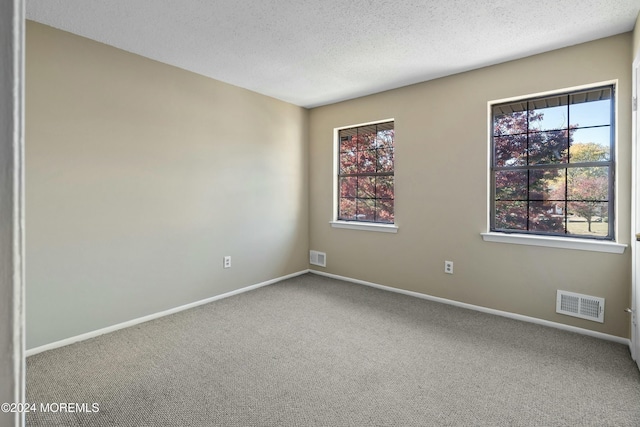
[[133, 322], [153, 316], [515, 316]]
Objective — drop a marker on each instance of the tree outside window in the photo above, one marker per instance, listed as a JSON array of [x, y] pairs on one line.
[[552, 165], [366, 173]]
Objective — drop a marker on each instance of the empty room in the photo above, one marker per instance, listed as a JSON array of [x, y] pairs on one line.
[[320, 213]]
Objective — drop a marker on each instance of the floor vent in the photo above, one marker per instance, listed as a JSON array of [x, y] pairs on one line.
[[582, 306], [318, 258]]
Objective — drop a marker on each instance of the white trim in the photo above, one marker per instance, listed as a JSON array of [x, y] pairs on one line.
[[12, 269], [133, 322], [143, 319], [555, 242], [507, 314], [19, 329], [610, 247], [616, 158], [336, 153], [634, 343], [366, 226]]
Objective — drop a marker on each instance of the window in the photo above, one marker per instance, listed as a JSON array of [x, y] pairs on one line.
[[552, 165], [365, 190]]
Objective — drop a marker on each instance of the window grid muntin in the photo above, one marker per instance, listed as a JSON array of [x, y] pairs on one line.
[[389, 147], [610, 163]]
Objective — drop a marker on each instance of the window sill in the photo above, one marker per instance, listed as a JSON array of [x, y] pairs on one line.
[[556, 242], [365, 226]]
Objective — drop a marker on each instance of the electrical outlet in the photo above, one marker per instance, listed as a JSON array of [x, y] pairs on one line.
[[227, 262], [448, 267]]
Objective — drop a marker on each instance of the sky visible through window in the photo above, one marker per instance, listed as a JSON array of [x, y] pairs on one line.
[[552, 166], [592, 120]]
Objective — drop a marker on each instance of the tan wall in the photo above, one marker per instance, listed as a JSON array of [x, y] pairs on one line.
[[441, 192], [636, 38], [141, 177]]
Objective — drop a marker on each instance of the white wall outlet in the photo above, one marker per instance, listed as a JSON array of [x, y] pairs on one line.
[[227, 262], [448, 267]]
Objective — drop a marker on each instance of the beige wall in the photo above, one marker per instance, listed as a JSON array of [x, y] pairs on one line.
[[141, 177], [636, 37], [441, 192]]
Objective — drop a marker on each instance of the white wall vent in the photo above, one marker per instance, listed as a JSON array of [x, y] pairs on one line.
[[318, 258], [578, 305]]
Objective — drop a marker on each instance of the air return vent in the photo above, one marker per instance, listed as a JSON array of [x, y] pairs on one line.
[[582, 306], [318, 258]]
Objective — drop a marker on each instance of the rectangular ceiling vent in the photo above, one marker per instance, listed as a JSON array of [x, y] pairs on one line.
[[318, 258], [578, 305]]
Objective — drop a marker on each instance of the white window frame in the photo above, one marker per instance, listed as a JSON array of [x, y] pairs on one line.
[[560, 242], [355, 225]]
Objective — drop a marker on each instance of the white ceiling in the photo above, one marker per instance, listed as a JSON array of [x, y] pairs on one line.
[[316, 52]]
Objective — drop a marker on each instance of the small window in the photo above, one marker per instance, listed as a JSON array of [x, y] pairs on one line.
[[552, 165], [365, 173]]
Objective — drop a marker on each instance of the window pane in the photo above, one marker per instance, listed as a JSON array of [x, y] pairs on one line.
[[548, 113], [543, 217], [348, 163], [347, 143], [347, 209], [385, 138], [385, 160], [366, 139], [594, 113], [366, 187], [366, 210], [364, 152], [510, 150], [511, 185], [366, 166], [384, 211], [384, 187], [591, 145], [509, 123], [588, 218], [367, 161], [547, 184], [546, 137], [348, 187], [548, 147], [588, 184], [511, 215]]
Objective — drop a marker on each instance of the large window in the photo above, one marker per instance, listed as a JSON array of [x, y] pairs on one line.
[[365, 173], [552, 166]]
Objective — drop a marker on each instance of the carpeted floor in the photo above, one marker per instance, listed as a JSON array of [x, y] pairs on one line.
[[313, 351]]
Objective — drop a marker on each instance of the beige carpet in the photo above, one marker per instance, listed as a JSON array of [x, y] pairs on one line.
[[313, 351]]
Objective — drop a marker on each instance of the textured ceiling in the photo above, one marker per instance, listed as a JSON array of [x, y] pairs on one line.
[[312, 53]]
